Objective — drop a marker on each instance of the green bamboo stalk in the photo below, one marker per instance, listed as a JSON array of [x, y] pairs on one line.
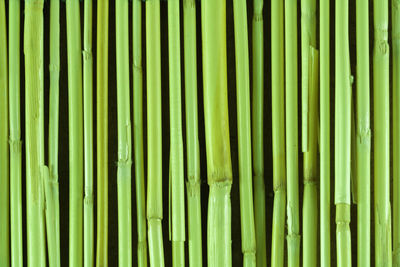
[[278, 134], [36, 171], [258, 132], [363, 137], [154, 139], [124, 135], [383, 237], [51, 184], [219, 165], [4, 153], [102, 134], [138, 132], [396, 130], [88, 220], [192, 137], [325, 168], [342, 134], [177, 182], [292, 163], [244, 133]]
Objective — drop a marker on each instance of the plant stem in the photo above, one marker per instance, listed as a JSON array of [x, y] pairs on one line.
[[138, 132], [88, 220], [383, 242], [193, 149], [102, 134], [36, 171], [154, 139], [292, 164], [4, 152]]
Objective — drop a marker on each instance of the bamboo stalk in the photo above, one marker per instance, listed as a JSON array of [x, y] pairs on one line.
[[154, 139], [325, 168], [138, 132], [278, 134], [51, 184], [88, 210], [383, 242], [363, 137], [102, 134], [342, 134], [4, 150], [177, 183], [310, 172], [75, 132], [219, 166], [193, 149], [244, 133], [36, 171], [124, 135], [258, 132], [292, 163]]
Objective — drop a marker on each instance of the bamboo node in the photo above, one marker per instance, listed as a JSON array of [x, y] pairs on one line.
[[87, 54], [15, 145], [193, 187]]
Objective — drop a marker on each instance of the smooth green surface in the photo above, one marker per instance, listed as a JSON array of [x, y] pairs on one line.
[[244, 133], [154, 134], [363, 137], [192, 136]]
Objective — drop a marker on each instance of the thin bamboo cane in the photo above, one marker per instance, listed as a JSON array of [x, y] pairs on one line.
[[177, 182], [4, 149], [154, 139], [88, 220], [383, 241], [102, 134], [51, 184], [75, 115], [310, 171], [138, 132], [342, 134], [219, 166], [36, 171], [244, 133], [193, 150], [363, 137], [124, 135], [325, 169], [292, 164], [258, 132], [278, 134], [15, 134]]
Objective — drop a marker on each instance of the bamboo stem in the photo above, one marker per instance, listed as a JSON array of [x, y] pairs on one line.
[[193, 150], [154, 139]]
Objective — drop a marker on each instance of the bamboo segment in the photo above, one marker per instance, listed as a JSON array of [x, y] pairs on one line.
[[35, 169], [325, 169], [193, 150], [258, 132], [88, 220], [15, 135], [51, 184], [138, 132], [383, 242], [154, 139], [396, 130], [363, 137], [75, 132], [219, 166], [244, 133], [102, 134], [278, 135], [310, 197], [177, 182], [342, 134], [4, 156], [293, 238]]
